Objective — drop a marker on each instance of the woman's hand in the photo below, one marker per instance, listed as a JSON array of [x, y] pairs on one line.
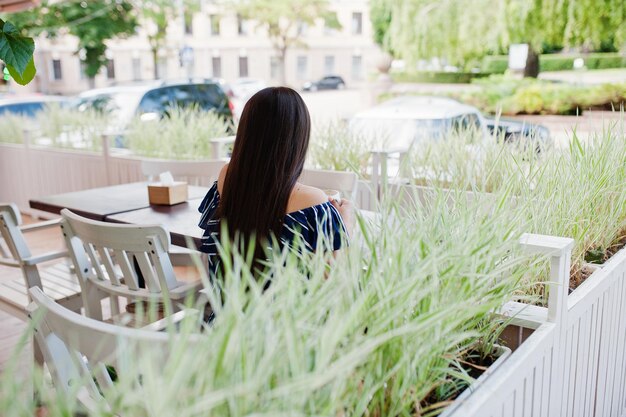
[[346, 210]]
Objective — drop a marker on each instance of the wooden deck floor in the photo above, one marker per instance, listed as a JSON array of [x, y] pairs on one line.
[[11, 328]]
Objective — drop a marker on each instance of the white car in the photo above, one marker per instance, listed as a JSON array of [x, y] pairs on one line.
[[240, 92], [29, 106], [406, 120], [403, 121]]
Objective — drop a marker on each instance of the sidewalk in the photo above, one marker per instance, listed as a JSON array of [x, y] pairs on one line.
[[616, 75], [562, 127]]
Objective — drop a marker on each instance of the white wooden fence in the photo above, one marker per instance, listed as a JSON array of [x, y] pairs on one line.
[[28, 172], [573, 364]]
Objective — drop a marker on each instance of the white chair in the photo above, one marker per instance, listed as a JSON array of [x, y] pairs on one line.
[[346, 182], [109, 257], [56, 279], [202, 173], [78, 350]]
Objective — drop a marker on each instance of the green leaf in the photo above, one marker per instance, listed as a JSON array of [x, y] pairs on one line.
[[15, 50], [26, 76]]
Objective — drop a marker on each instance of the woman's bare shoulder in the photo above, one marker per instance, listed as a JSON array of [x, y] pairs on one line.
[[304, 196], [221, 177]]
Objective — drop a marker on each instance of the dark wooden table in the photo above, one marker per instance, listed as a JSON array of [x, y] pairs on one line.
[[128, 203], [98, 203], [181, 220]]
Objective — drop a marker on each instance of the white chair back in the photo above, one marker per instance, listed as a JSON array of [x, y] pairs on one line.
[[345, 182], [78, 350], [109, 258], [201, 173]]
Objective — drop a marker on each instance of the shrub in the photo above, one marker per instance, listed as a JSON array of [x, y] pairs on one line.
[[183, 134], [379, 333], [576, 192], [436, 77], [498, 64], [335, 146], [514, 96], [12, 128], [592, 61], [495, 64], [69, 128]]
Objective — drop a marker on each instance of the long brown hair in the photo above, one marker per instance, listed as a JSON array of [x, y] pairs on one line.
[[267, 160]]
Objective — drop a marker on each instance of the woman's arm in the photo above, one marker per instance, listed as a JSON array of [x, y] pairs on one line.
[[346, 210]]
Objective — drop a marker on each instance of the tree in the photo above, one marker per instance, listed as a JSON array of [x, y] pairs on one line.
[[380, 15], [282, 18], [158, 14], [462, 31], [93, 23]]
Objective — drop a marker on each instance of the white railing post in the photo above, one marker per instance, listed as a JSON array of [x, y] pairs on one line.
[[560, 251], [216, 149], [106, 155], [27, 137], [379, 179], [374, 180], [217, 146]]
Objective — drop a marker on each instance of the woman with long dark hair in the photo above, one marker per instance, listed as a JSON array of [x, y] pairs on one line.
[[258, 194]]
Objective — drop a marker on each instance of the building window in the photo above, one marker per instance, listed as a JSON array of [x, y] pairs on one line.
[[242, 26], [357, 67], [136, 69], [243, 66], [216, 63], [215, 24], [57, 74], [274, 67], [357, 23], [110, 69], [301, 69], [82, 70], [161, 68], [188, 18], [329, 64]]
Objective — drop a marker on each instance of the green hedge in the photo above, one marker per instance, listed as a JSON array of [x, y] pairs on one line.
[[512, 96], [436, 77], [497, 64]]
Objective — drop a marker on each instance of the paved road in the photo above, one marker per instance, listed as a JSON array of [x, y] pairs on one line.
[[336, 104], [585, 126]]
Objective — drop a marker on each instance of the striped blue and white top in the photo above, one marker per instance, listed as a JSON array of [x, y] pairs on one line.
[[319, 223]]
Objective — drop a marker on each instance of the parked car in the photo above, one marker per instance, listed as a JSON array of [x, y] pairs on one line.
[[409, 119], [512, 130], [240, 92], [329, 82], [29, 106], [152, 101]]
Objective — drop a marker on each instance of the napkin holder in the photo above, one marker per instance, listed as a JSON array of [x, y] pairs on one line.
[[167, 194]]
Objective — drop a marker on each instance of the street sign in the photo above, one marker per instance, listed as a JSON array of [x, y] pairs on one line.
[[186, 55]]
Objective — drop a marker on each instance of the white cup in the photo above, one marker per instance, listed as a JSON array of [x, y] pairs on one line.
[[334, 194]]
